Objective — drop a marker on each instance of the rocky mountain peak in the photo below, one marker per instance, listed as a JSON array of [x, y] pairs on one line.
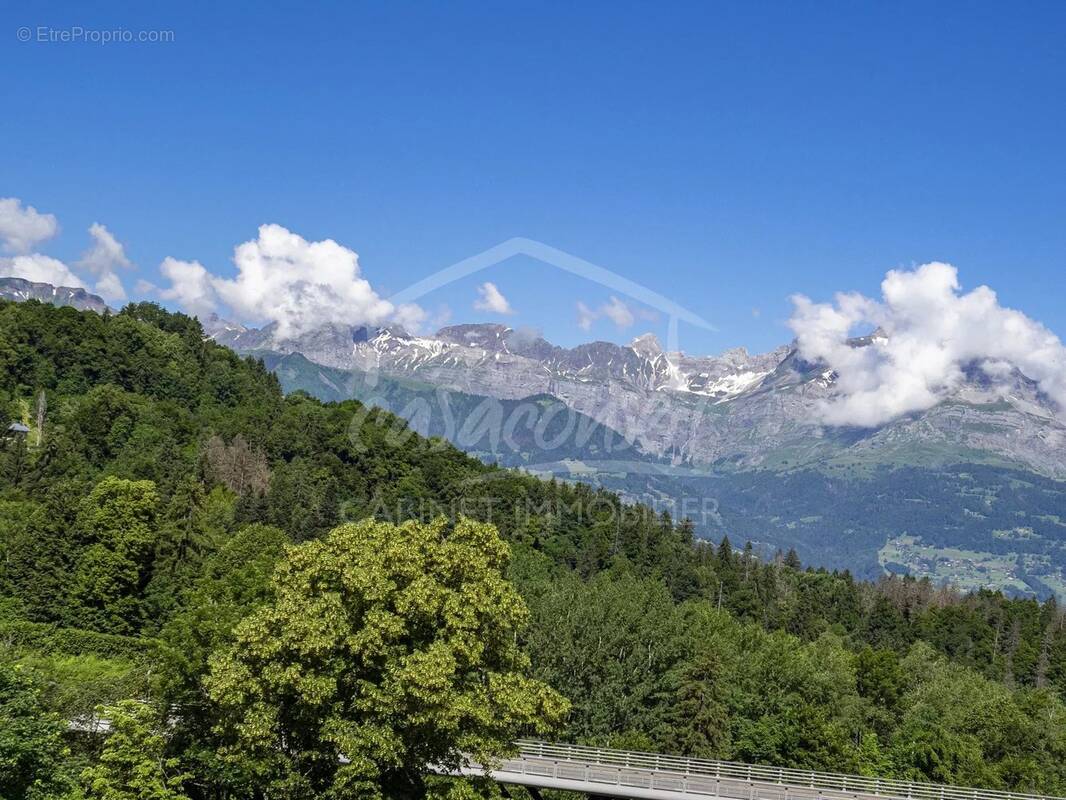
[[736, 355], [365, 333], [19, 290], [647, 345], [878, 334], [215, 326], [486, 335]]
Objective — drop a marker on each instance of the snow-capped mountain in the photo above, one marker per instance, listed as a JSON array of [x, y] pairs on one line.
[[735, 409], [470, 358], [19, 289]]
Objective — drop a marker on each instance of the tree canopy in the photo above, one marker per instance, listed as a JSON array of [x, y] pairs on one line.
[[385, 648]]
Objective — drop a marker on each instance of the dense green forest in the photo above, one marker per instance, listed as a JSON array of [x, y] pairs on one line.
[[253, 584], [1010, 523], [474, 423], [839, 515]]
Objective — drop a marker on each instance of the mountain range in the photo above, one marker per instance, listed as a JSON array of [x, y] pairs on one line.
[[970, 491], [731, 411]]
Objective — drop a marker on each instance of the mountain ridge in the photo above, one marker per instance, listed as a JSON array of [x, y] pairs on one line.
[[751, 411], [20, 290]]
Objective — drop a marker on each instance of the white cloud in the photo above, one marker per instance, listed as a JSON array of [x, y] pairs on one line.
[[585, 316], [106, 253], [618, 313], [102, 258], [300, 285], [40, 269], [190, 286], [410, 317], [491, 299], [24, 227], [110, 287], [284, 279], [145, 288], [615, 310], [440, 317], [933, 331]]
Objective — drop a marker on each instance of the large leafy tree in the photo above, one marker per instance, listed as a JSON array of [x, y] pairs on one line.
[[133, 764], [385, 649], [31, 744], [609, 645], [117, 520]]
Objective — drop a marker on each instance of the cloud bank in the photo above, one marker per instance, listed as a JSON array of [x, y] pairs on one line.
[[190, 286], [280, 278], [23, 227], [40, 268], [932, 332], [491, 299], [286, 280]]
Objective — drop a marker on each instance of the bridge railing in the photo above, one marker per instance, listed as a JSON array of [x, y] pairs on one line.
[[754, 774]]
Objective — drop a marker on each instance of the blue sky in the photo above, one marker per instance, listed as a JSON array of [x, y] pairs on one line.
[[723, 155]]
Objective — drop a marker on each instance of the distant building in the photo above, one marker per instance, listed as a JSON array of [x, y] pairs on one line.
[[17, 429]]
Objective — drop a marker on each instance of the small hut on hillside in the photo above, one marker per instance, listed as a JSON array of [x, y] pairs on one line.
[[16, 430]]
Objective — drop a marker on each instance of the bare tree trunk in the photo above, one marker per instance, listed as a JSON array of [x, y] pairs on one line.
[[42, 407]]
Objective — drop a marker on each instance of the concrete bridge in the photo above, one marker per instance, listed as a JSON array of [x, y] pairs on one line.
[[647, 776]]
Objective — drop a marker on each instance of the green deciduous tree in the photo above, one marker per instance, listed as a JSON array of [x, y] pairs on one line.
[[962, 728], [133, 764], [117, 521], [392, 647], [235, 581], [31, 747], [608, 644], [880, 678]]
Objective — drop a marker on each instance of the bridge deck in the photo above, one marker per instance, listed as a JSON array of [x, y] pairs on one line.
[[619, 773]]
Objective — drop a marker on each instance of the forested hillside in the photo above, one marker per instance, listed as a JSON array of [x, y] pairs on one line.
[[943, 510], [170, 517]]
